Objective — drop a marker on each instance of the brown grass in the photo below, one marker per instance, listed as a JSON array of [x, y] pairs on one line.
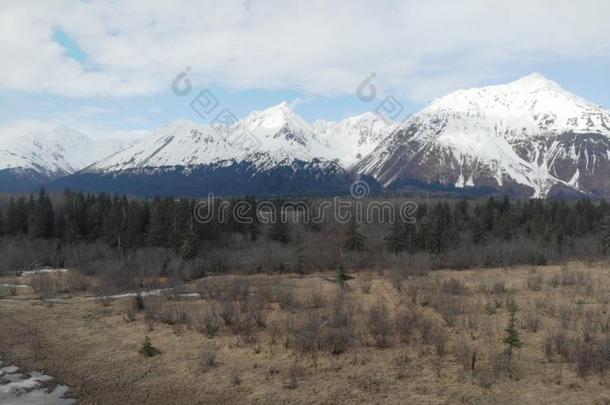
[[284, 339]]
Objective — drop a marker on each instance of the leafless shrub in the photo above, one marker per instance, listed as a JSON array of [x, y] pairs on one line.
[[501, 364], [245, 327], [256, 311], [365, 282], [75, 281], [554, 281], [570, 278], [238, 288], [264, 292], [483, 287], [534, 282], [380, 325], [453, 287], [585, 356], [603, 296], [412, 291], [339, 332], [450, 307], [485, 377], [545, 306], [294, 376], [397, 278], [406, 324], [316, 300], [170, 313], [530, 322], [498, 287], [433, 334], [227, 312], [439, 340], [305, 335], [466, 355], [206, 321], [209, 359], [565, 314], [211, 288], [44, 284], [490, 307], [589, 326], [557, 341], [286, 298], [274, 332]]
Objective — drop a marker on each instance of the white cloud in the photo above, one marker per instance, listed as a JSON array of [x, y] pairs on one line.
[[418, 48]]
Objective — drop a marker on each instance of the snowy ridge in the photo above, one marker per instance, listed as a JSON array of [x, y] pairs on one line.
[[282, 138], [181, 143], [514, 132], [528, 137], [277, 136], [60, 151], [353, 138]]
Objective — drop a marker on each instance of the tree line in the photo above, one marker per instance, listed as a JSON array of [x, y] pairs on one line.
[[438, 228]]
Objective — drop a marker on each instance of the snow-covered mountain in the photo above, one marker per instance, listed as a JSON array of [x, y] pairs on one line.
[[269, 152], [31, 159], [352, 138], [529, 136], [181, 143]]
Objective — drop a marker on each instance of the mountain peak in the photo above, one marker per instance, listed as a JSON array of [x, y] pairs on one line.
[[181, 123], [534, 81], [278, 116]]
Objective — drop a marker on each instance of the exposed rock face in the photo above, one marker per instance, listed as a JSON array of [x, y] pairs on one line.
[[528, 137]]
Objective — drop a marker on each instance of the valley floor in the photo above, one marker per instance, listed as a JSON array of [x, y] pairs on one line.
[[428, 339]]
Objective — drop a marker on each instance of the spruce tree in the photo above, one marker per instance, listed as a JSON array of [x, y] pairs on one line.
[[41, 217], [395, 239], [279, 231], [355, 240], [189, 246], [147, 349]]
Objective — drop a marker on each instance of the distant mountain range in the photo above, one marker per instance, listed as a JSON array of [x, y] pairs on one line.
[[528, 138]]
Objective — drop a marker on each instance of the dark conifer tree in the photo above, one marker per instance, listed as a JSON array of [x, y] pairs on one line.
[[395, 238], [354, 239], [279, 231]]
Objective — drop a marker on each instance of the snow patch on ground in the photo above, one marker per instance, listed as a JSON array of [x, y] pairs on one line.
[[14, 285], [28, 389], [42, 271]]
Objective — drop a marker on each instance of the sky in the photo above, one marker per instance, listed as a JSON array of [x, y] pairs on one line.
[[110, 68]]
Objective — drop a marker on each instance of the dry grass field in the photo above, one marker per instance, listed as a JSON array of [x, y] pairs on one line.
[[383, 338]]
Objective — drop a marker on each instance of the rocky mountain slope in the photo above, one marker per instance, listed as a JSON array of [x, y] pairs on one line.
[[528, 137]]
